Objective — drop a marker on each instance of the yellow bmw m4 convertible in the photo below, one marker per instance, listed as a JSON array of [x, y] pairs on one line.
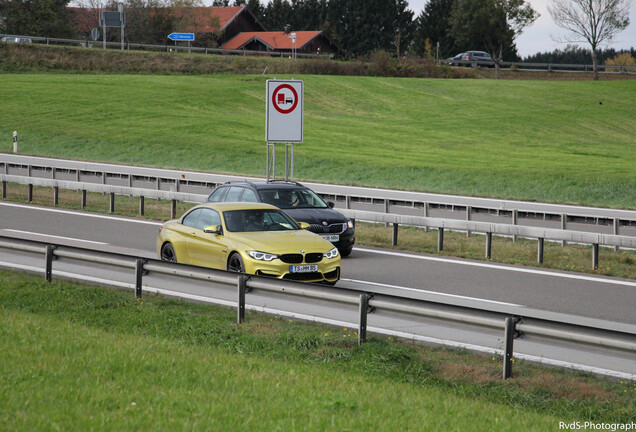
[[253, 238]]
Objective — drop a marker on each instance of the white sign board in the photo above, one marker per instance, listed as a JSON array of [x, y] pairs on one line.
[[284, 119]]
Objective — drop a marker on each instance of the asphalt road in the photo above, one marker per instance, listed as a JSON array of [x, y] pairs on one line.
[[577, 294]]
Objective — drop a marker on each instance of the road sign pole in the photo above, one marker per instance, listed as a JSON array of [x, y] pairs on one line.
[[287, 162]]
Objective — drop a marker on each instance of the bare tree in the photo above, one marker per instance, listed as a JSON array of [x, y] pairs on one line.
[[593, 21]]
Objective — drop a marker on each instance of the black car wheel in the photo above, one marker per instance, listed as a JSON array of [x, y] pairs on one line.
[[235, 263], [168, 253], [345, 252]]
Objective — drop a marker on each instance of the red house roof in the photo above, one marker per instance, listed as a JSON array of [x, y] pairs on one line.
[[274, 40], [204, 16]]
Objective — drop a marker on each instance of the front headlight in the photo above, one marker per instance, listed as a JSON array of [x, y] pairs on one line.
[[349, 224], [262, 256], [331, 254]]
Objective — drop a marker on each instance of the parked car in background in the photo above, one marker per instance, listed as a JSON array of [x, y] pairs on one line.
[[298, 201], [252, 238], [477, 58], [456, 60], [16, 39]]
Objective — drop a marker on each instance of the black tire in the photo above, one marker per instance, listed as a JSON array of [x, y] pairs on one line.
[[345, 252], [235, 263], [168, 254]]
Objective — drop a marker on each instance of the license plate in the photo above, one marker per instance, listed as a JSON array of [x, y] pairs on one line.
[[332, 238], [303, 268]]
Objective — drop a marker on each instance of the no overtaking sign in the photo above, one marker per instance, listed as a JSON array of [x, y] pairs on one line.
[[284, 121]]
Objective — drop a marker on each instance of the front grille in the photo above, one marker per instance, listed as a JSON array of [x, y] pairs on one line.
[[336, 228], [291, 258], [313, 258], [303, 276]]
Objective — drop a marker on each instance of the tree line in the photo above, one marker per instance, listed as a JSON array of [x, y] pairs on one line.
[[573, 54], [359, 28]]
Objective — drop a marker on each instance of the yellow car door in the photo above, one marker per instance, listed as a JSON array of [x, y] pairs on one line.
[[207, 249]]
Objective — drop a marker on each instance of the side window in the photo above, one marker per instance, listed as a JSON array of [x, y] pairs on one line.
[[249, 196], [218, 194], [208, 217], [234, 194], [191, 218]]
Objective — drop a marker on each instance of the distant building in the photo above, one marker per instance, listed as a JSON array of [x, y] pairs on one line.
[[230, 27], [217, 23], [309, 42], [232, 20]]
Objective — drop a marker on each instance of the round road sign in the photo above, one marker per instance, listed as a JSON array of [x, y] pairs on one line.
[[282, 97]]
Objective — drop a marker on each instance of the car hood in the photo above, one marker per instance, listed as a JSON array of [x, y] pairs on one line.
[[280, 242], [316, 216]]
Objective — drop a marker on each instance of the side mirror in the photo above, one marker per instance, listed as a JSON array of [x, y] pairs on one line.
[[213, 229], [304, 225], [331, 204]]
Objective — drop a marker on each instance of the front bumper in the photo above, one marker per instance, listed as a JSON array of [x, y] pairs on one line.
[[328, 270]]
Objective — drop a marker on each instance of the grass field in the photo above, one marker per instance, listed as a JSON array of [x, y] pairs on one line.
[[88, 358], [553, 141]]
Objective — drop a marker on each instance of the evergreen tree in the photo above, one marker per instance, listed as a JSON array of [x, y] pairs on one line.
[[491, 25], [46, 18], [361, 28], [433, 24], [278, 13]]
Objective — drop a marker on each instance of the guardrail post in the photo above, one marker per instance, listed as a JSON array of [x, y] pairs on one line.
[[362, 322], [242, 284], [83, 199], [488, 245], [139, 274], [515, 217], [173, 209], [4, 189], [595, 256], [469, 211], [394, 240], [617, 224], [440, 239], [564, 224], [30, 193], [426, 212], [508, 352], [386, 210], [141, 205], [112, 202], [49, 257], [540, 251], [56, 195], [347, 202]]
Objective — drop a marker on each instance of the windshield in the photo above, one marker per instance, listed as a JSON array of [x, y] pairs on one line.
[[292, 198], [258, 220]]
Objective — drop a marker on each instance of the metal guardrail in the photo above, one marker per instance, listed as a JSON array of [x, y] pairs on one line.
[[550, 67], [553, 326], [206, 182]]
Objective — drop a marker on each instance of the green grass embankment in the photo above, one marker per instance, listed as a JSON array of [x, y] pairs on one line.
[[87, 358], [566, 142]]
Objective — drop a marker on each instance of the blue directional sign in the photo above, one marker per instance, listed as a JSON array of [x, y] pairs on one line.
[[181, 36]]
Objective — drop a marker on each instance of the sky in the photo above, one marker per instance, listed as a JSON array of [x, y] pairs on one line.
[[539, 37]]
